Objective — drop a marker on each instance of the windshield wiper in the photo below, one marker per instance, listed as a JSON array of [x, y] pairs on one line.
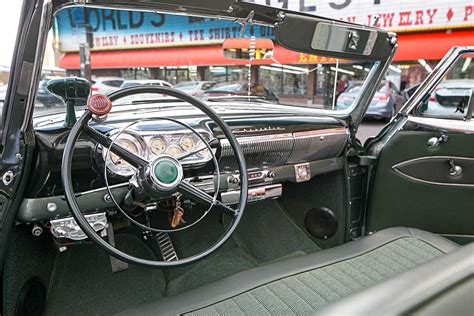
[[239, 98], [164, 100]]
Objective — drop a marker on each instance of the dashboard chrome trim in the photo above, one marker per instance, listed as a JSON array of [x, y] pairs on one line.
[[288, 148]]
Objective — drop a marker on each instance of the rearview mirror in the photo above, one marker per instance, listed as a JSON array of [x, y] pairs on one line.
[[244, 48]]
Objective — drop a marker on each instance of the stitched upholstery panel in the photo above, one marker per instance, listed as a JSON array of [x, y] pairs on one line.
[[306, 292]]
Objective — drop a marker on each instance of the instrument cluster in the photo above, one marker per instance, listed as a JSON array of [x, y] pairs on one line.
[[150, 145]]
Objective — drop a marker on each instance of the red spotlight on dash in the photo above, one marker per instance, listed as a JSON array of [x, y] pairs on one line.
[[99, 104]]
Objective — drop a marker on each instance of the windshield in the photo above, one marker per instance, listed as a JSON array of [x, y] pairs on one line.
[[115, 49]]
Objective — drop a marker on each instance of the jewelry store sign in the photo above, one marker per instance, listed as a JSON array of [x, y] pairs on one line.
[[400, 16]]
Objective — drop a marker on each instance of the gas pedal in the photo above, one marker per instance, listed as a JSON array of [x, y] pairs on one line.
[[166, 246]]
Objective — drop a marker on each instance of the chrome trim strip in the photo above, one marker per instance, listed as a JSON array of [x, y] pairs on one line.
[[394, 168], [447, 125], [456, 235], [104, 188], [339, 130]]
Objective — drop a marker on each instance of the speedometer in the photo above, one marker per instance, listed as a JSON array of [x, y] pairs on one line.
[[157, 145], [128, 145], [116, 164]]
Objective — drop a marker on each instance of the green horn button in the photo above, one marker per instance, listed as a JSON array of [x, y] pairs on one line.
[[166, 171]]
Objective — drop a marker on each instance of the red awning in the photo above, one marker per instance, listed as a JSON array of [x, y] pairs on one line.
[[181, 56], [429, 46]]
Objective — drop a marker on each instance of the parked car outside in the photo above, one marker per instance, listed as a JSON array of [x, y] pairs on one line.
[[240, 89], [447, 98], [145, 82], [3, 92], [44, 96], [195, 88], [386, 102], [106, 85]]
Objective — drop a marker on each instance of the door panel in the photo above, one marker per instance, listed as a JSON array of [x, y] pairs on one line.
[[438, 170], [413, 186]]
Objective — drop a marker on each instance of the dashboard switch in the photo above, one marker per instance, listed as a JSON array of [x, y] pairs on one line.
[[302, 172]]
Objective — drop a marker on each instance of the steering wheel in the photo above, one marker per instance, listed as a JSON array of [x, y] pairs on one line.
[[161, 177]]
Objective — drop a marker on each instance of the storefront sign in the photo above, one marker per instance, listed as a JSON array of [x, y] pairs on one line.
[[400, 16], [118, 29]]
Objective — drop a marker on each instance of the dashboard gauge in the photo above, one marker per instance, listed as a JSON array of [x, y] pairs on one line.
[[174, 150], [205, 152], [157, 145], [117, 165], [187, 142], [128, 145]]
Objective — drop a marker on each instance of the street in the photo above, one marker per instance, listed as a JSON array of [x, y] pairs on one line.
[[369, 128]]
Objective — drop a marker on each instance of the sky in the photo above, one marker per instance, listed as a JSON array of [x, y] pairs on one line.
[[9, 18]]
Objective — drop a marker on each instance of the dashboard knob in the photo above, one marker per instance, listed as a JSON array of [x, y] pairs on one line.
[[99, 104], [271, 174], [234, 180]]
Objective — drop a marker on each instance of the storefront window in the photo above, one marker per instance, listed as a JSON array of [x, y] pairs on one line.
[[175, 49]]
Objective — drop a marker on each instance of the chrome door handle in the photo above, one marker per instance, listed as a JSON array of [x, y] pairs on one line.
[[454, 170], [434, 142]]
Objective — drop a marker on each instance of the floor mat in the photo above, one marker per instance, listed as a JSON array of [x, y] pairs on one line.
[[83, 282]]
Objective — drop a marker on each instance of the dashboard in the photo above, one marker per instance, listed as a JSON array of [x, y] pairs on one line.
[[279, 143]]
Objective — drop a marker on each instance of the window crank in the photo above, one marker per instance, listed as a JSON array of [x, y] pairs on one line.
[[454, 170], [434, 142]]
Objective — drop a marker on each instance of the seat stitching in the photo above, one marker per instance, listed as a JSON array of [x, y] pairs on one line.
[[375, 259], [331, 277], [397, 258], [404, 255], [363, 273], [237, 304], [307, 303], [351, 277], [326, 300], [278, 297], [418, 248], [376, 267], [308, 287], [327, 285], [261, 302]]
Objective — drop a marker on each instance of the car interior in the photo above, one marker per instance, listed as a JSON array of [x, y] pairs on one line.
[[235, 205]]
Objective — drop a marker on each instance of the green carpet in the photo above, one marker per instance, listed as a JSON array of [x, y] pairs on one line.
[[83, 282], [323, 190], [229, 259], [27, 257], [267, 233]]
